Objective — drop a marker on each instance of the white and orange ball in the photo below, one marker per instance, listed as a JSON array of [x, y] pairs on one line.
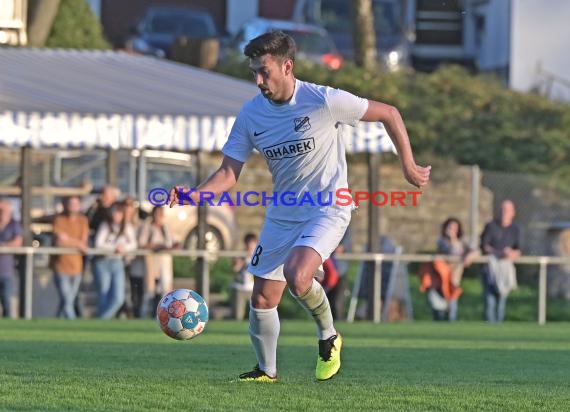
[[182, 314]]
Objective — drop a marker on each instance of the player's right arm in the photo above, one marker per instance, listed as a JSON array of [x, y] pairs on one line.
[[349, 109], [392, 120], [220, 181], [236, 151]]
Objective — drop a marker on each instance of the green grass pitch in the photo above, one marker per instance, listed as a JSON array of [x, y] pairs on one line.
[[85, 365]]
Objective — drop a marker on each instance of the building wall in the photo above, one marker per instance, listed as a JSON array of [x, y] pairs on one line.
[[276, 9], [539, 57], [238, 12]]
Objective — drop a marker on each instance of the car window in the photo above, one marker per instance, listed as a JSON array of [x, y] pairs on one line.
[[311, 42], [164, 23], [239, 38], [184, 24], [163, 175], [332, 15], [195, 26], [386, 18], [74, 171], [333, 12]]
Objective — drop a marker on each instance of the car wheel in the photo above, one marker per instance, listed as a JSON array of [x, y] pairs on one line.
[[214, 240]]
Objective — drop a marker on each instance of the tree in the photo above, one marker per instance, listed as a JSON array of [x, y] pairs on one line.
[[75, 26], [364, 34]]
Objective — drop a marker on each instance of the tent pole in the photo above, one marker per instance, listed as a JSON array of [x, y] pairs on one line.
[[26, 197], [112, 167], [202, 272], [373, 293]]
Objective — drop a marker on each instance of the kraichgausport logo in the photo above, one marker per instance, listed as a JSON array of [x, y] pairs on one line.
[[288, 149], [340, 197]]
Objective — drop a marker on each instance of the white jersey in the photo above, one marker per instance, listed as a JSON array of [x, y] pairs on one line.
[[302, 145]]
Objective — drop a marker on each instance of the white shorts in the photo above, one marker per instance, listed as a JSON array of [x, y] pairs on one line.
[[322, 233]]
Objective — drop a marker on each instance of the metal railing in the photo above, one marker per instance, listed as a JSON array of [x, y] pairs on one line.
[[207, 257]]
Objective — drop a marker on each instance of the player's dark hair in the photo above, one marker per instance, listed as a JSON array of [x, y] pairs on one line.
[[275, 43]]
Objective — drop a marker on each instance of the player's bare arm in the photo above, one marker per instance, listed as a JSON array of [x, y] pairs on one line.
[[392, 120], [221, 180]]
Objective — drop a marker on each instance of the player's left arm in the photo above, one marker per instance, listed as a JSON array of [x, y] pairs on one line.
[[394, 124]]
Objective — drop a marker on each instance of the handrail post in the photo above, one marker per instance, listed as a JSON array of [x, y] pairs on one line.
[[377, 285], [29, 276], [205, 276], [542, 292]]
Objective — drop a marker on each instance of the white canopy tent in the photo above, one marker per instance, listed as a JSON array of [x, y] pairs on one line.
[[100, 99]]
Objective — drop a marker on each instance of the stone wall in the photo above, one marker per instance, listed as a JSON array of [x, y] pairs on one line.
[[415, 228]]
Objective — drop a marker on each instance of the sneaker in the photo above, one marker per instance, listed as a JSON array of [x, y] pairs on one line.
[[257, 375], [328, 362]]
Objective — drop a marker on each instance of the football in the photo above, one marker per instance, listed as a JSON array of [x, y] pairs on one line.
[[182, 314]]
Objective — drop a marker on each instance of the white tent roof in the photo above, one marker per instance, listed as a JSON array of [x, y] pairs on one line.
[[70, 98]]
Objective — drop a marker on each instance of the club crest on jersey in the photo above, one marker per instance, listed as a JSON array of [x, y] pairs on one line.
[[302, 124], [291, 148]]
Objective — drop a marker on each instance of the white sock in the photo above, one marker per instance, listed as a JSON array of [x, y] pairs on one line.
[[264, 330], [316, 303]]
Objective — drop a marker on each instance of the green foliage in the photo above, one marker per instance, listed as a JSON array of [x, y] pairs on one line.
[[75, 27], [470, 119]]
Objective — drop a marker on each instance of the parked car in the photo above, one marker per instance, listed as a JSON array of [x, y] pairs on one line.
[[161, 27], [392, 40], [313, 42]]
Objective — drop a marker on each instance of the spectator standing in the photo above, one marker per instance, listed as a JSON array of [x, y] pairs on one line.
[[337, 294], [243, 280], [134, 266], [98, 212], [70, 229], [10, 236], [387, 246], [116, 235], [500, 240], [155, 236]]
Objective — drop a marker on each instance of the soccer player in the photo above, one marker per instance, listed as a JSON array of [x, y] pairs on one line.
[[297, 127]]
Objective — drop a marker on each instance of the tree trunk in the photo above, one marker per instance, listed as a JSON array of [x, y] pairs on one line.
[[41, 14], [364, 34]]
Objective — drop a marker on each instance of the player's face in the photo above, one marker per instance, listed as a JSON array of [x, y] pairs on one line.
[[271, 75]]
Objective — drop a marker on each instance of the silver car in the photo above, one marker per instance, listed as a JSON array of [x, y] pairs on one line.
[[313, 42]]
